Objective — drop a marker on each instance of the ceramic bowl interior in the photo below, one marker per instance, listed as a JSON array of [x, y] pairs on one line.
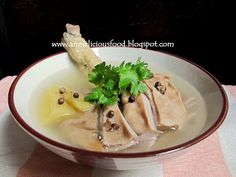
[[209, 88]]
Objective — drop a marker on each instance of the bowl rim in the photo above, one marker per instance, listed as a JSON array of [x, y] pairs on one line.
[[76, 150]]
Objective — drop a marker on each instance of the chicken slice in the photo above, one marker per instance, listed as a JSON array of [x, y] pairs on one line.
[[171, 112], [117, 133], [82, 131], [139, 115]]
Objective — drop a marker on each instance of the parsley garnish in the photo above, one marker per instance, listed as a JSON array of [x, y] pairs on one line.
[[111, 81]]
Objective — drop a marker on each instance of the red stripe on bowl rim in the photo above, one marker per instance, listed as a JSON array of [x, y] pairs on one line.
[[79, 151]]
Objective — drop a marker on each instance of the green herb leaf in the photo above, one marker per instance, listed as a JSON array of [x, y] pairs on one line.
[[111, 81], [138, 88]]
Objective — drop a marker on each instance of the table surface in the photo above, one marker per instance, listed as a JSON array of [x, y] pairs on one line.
[[21, 156]]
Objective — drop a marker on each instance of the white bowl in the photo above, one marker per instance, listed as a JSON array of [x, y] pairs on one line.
[[212, 92]]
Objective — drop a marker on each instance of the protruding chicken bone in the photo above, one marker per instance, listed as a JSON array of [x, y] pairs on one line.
[[79, 49]]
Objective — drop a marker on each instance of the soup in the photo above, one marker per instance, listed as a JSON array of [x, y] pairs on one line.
[[72, 78]]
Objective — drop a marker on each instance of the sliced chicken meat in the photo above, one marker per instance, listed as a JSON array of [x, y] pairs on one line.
[[116, 132], [139, 115], [166, 101], [82, 131]]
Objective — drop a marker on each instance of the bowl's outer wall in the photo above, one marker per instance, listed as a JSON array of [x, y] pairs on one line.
[[23, 87]]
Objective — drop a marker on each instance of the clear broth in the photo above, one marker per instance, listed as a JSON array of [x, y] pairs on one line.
[[72, 78]]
